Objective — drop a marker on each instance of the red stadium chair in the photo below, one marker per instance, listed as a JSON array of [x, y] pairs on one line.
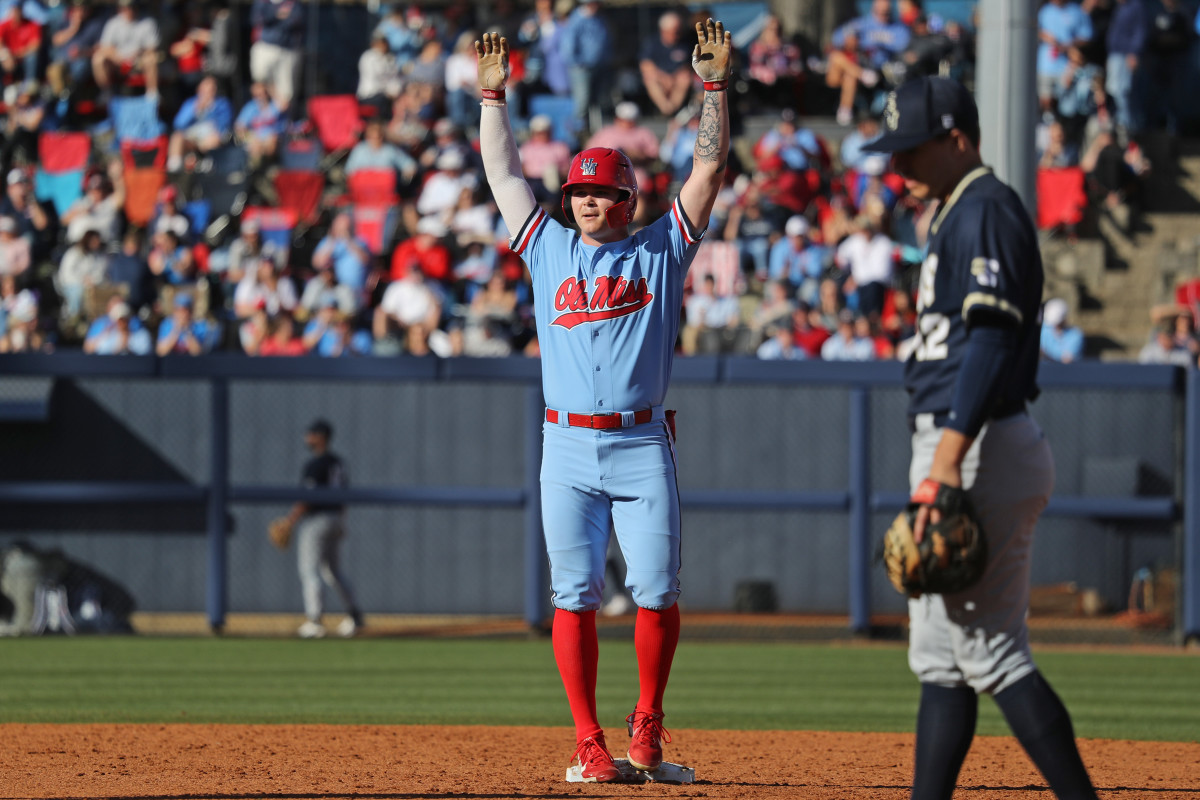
[[373, 187], [62, 151], [141, 194], [338, 124], [1061, 197], [301, 191]]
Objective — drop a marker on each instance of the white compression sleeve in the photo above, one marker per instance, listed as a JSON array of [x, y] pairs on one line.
[[502, 165]]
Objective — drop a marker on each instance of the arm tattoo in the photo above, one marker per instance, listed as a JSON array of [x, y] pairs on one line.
[[708, 137]]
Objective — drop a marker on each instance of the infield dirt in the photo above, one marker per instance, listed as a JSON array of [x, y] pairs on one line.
[[229, 762]]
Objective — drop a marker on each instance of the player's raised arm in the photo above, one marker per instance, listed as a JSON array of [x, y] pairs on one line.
[[498, 146], [711, 58]]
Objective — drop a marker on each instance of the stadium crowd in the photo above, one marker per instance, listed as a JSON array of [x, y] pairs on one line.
[[156, 201]]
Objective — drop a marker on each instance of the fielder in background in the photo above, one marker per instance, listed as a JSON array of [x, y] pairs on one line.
[[608, 307], [971, 373], [320, 528]]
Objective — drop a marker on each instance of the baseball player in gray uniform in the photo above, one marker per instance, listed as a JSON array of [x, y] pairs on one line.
[[607, 307], [319, 532], [972, 372]]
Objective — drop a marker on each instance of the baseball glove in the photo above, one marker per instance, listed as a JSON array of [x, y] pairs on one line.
[[952, 554], [279, 531]]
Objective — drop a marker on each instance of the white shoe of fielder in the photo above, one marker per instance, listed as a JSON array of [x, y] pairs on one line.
[[311, 630]]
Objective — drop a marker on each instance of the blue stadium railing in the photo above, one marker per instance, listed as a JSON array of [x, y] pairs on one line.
[[859, 501]]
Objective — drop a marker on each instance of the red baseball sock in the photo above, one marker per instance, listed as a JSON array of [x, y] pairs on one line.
[[655, 635], [576, 650]]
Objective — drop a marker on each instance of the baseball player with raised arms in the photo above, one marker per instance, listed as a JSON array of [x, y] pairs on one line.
[[971, 373], [607, 308]]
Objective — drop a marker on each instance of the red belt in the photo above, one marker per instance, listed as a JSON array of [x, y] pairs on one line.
[[601, 421]]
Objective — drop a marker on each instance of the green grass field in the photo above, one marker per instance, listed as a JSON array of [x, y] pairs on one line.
[[413, 681]]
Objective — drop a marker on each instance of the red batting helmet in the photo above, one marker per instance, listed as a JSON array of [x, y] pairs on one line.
[[603, 166]]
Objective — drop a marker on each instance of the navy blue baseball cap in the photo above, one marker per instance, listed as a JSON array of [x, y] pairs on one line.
[[923, 109]]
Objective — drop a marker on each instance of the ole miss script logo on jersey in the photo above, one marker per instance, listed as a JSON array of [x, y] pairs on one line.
[[613, 296]]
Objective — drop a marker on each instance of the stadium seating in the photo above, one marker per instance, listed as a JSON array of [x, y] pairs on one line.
[[1061, 197]]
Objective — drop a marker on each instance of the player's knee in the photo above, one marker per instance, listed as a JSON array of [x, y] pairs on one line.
[[577, 592], [655, 597]]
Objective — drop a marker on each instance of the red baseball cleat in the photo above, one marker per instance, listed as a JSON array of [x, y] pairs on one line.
[[647, 734], [595, 760]]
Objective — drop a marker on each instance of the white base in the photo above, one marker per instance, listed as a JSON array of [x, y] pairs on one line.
[[666, 773]]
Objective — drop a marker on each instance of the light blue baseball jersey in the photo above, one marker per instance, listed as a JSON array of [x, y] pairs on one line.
[[608, 315]]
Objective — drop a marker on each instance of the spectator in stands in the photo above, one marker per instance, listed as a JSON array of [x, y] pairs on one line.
[[585, 46], [101, 206], [1061, 26], [543, 160], [860, 49], [203, 123], [24, 334], [1166, 65], [346, 254], [442, 191], [774, 308], [713, 321], [84, 265], [259, 125], [830, 304], [253, 331], [117, 332], [408, 127], [475, 267], [848, 343], [281, 338], [1057, 150], [425, 252], [379, 79], [407, 315], [428, 71], [624, 133], [23, 124], [774, 67], [869, 190], [752, 232], [475, 217], [1079, 96], [538, 35], [899, 323], [127, 269], [264, 288], [168, 214], [376, 153], [170, 261], [487, 329], [401, 31], [448, 138], [1060, 342], [1162, 348], [927, 51], [780, 344], [72, 42], [14, 248], [665, 61], [275, 54], [870, 329], [20, 44], [1185, 334], [189, 46], [128, 43], [868, 258], [181, 333], [852, 154], [807, 332], [462, 82], [244, 253], [679, 145], [321, 330], [783, 192], [1126, 39], [321, 286], [36, 221], [796, 260], [798, 146], [1114, 176]]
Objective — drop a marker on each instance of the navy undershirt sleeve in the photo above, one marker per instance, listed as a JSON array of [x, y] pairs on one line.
[[991, 348]]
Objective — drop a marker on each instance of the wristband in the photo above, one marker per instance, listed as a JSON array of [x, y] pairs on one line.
[[492, 94], [716, 86]]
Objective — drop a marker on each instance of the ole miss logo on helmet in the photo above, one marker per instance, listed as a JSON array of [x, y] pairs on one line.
[[613, 296]]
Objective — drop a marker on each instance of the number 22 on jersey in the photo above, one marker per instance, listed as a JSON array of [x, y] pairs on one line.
[[932, 329]]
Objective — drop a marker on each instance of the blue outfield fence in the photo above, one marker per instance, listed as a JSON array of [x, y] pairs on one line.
[[858, 500]]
